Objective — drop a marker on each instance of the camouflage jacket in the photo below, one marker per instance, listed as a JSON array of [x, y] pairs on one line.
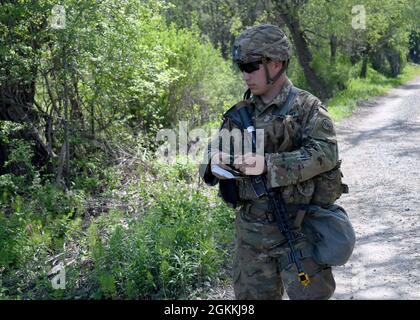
[[298, 146]]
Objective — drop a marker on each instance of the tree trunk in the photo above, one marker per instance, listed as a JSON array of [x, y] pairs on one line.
[[3, 156], [16, 105], [363, 72], [17, 91], [394, 60], [304, 55], [66, 121], [333, 48], [378, 61]]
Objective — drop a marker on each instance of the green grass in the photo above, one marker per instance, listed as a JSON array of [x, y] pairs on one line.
[[173, 251], [345, 102], [164, 236]]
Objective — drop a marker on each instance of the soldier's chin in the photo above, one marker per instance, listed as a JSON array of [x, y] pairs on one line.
[[255, 91]]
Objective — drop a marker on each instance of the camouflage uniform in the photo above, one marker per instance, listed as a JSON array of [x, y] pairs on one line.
[[298, 146]]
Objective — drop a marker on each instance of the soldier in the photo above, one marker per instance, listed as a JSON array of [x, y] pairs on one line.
[[299, 146]]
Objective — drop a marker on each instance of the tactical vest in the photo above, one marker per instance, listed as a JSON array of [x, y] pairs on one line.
[[283, 134]]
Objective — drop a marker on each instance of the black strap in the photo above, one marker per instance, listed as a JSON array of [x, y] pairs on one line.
[[247, 94], [265, 62]]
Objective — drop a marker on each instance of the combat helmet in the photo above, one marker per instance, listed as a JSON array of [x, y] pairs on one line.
[[263, 42]]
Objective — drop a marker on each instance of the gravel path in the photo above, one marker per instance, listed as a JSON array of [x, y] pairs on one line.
[[380, 148]]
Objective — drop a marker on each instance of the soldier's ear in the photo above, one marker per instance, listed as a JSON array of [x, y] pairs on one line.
[[278, 64]]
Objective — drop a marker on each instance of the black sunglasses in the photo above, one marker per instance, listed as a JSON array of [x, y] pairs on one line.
[[249, 67]]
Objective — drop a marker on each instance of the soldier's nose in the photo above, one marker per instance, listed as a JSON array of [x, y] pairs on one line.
[[246, 76]]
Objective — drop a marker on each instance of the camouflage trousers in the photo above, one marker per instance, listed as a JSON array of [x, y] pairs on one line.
[[262, 267]]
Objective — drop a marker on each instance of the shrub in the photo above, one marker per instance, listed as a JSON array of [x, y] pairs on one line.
[[169, 252]]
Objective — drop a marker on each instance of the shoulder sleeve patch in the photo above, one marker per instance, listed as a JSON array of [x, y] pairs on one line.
[[323, 127]]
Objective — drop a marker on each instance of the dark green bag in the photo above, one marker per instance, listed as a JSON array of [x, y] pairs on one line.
[[331, 233]]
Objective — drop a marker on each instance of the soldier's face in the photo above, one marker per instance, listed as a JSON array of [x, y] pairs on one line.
[[257, 81]]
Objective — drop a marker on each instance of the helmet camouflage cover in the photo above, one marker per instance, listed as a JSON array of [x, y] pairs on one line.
[[264, 40]]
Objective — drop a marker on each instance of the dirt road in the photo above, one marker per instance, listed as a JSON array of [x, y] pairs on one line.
[[380, 148]]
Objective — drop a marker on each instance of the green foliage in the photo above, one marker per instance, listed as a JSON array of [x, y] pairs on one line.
[[337, 74], [136, 69], [171, 248], [343, 104], [9, 240], [206, 84], [175, 248], [19, 161]]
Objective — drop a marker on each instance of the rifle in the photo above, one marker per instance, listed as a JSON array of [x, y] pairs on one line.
[[259, 186]]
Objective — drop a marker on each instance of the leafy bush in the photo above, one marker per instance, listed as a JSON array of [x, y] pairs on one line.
[[170, 251]]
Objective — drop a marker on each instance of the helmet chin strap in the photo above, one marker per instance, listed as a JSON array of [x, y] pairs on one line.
[[278, 75]]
